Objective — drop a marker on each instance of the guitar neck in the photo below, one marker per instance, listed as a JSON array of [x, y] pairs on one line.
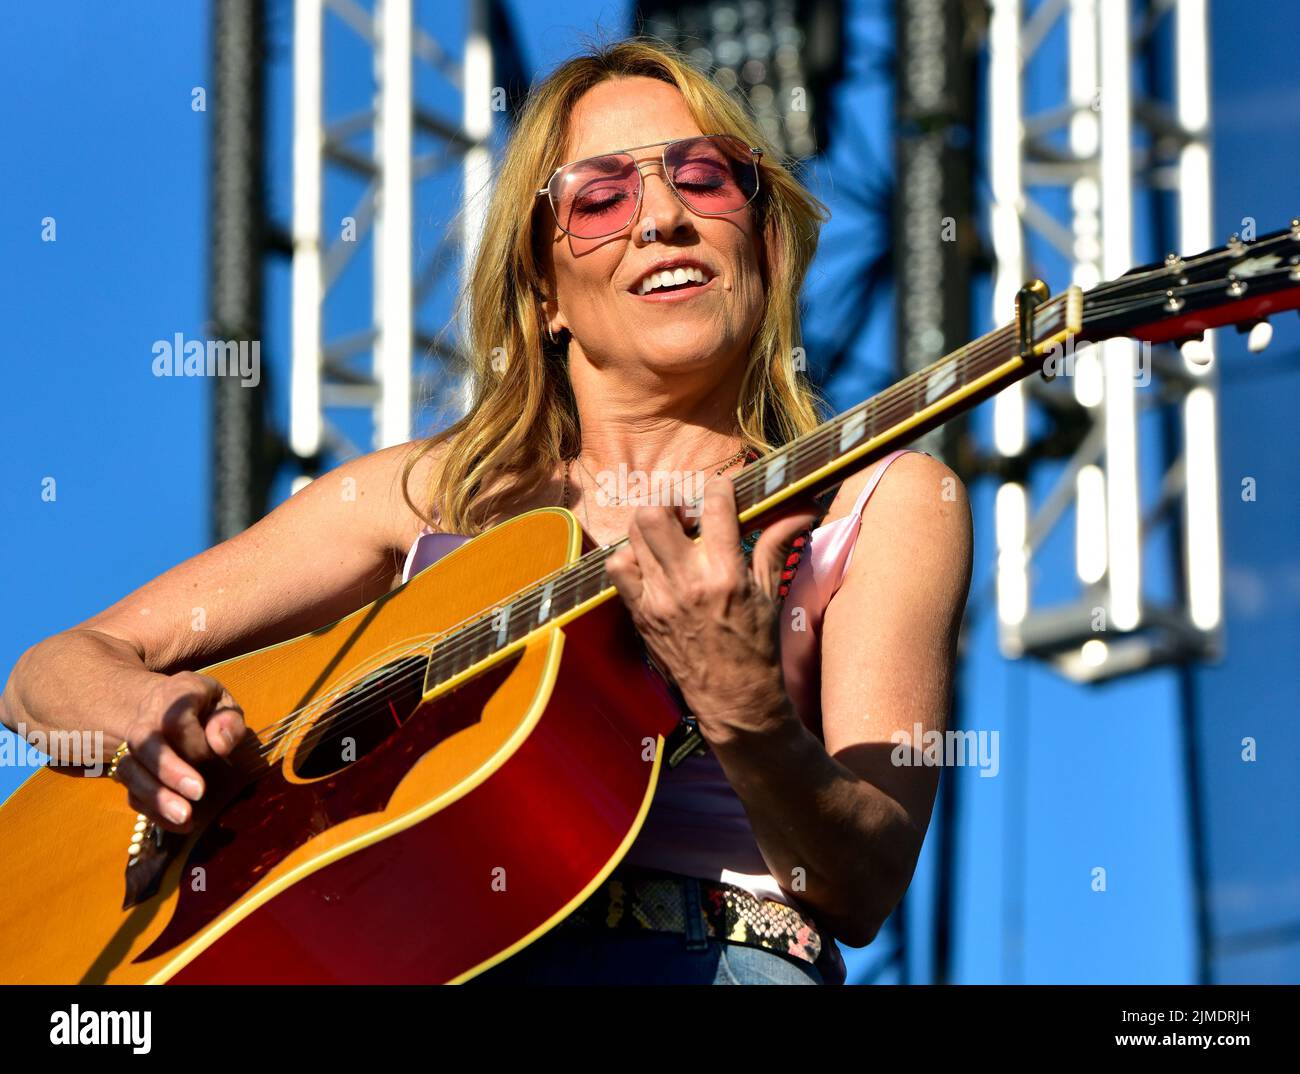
[[1239, 283], [823, 458], [810, 464]]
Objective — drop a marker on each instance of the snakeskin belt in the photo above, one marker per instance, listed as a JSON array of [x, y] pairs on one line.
[[637, 899]]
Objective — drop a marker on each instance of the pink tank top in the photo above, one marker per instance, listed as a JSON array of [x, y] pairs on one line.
[[697, 825]]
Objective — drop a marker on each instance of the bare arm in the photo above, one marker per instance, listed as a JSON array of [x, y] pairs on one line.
[[326, 551], [839, 825], [842, 812]]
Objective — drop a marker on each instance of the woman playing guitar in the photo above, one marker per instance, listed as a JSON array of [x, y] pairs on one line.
[[632, 311]]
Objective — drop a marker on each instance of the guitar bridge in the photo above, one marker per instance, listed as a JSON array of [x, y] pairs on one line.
[[148, 855]]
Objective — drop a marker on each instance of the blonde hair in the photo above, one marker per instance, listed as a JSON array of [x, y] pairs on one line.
[[522, 420]]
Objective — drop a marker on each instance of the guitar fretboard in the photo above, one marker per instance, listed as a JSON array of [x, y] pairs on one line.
[[814, 461]]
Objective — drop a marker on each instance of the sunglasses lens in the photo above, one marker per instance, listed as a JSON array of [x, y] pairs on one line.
[[713, 175], [596, 197]]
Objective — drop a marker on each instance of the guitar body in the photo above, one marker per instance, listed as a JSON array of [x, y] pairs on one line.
[[450, 828]]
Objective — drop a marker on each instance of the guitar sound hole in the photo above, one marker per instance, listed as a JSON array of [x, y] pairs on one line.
[[359, 720]]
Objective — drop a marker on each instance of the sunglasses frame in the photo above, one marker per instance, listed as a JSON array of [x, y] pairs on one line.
[[756, 155]]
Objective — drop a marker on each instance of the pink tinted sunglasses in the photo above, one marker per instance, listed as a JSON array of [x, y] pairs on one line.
[[711, 174]]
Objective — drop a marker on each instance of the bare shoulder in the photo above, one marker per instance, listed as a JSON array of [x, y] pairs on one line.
[[915, 486], [917, 523], [410, 469], [382, 482]]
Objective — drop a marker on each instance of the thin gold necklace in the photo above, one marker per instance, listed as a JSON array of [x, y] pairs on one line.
[[731, 460]]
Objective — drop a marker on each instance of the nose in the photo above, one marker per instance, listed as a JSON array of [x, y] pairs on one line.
[[662, 210]]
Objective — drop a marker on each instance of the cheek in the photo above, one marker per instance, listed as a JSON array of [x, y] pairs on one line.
[[582, 273]]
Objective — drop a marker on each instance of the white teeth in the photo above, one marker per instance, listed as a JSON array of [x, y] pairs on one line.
[[671, 278]]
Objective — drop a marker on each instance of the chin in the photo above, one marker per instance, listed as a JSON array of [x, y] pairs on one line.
[[685, 358]]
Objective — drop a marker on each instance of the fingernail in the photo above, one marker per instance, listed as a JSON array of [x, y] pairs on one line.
[[176, 813], [227, 738], [191, 788]]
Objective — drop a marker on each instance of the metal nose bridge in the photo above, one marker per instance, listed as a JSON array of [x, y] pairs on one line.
[[664, 176]]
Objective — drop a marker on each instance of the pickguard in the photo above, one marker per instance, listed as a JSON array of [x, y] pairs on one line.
[[271, 816]]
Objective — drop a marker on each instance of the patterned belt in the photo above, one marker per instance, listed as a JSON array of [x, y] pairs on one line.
[[637, 899]]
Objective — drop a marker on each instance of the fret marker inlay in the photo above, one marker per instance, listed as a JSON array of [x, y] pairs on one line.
[[940, 381], [775, 476], [852, 429]]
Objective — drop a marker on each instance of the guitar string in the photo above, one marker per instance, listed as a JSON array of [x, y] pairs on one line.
[[1094, 308], [1254, 249], [587, 566], [578, 578], [439, 648], [796, 448]]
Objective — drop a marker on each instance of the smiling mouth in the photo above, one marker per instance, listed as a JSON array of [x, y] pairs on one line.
[[673, 291], [680, 278]]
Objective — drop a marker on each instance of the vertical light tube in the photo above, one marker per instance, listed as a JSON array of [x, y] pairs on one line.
[[1006, 181], [305, 275], [1011, 513], [1200, 420], [1204, 587], [1118, 355], [476, 118], [1083, 138], [1085, 198], [1006, 140], [394, 317], [1090, 524]]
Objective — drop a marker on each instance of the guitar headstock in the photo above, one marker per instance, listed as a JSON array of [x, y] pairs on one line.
[[1239, 283]]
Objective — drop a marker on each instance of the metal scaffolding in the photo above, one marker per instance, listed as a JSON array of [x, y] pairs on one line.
[[327, 150], [1071, 179], [391, 144]]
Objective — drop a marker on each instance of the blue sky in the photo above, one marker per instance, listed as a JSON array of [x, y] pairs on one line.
[[100, 136]]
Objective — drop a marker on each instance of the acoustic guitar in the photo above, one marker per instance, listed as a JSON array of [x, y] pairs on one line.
[[440, 777]]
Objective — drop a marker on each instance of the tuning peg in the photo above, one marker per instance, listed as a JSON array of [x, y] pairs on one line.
[[1295, 228], [1236, 285], [1235, 246], [1261, 335], [1194, 349]]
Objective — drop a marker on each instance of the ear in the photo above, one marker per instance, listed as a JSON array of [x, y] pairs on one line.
[[552, 318], [544, 288]]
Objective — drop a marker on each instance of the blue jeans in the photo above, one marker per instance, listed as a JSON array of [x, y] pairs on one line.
[[590, 955]]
